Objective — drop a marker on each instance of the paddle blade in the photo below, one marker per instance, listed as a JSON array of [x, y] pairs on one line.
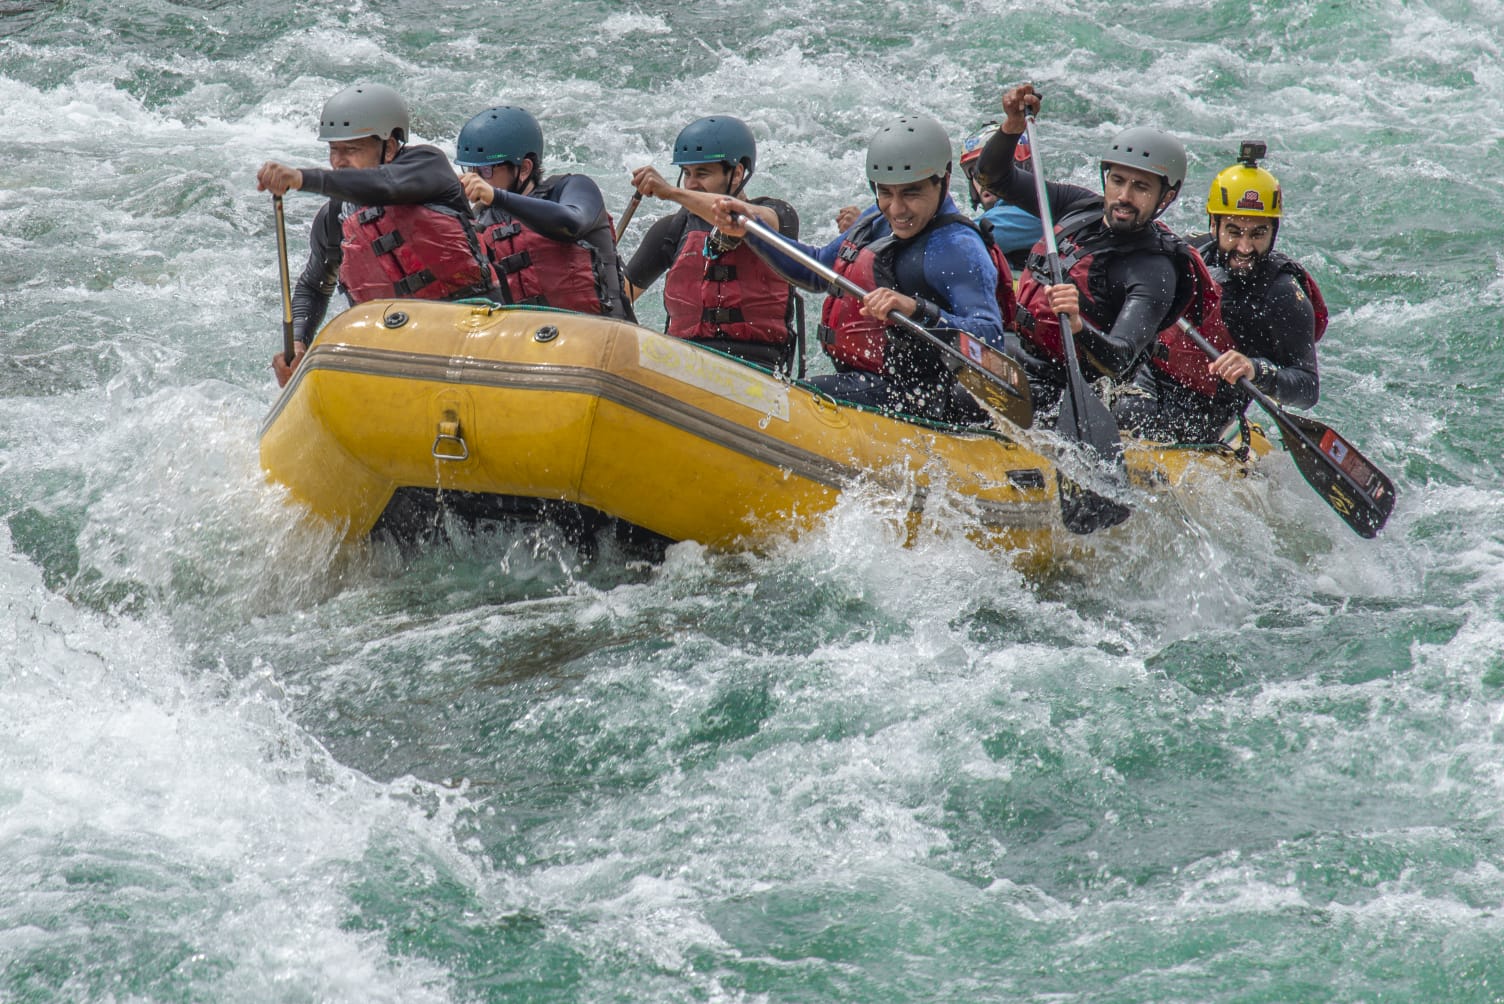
[[1350, 483], [996, 381], [1082, 510], [1085, 419]]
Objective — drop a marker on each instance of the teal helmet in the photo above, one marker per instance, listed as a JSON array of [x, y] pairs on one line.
[[716, 139], [501, 135]]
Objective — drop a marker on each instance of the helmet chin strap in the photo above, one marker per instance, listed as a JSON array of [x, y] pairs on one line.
[[519, 184], [381, 157], [1165, 204], [730, 174]]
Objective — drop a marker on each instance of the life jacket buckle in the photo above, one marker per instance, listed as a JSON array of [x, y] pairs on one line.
[[387, 243], [408, 285]]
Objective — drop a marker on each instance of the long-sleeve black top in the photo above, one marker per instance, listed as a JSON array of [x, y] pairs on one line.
[[417, 175]]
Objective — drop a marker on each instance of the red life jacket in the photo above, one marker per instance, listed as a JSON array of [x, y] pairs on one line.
[[428, 252], [859, 341], [535, 269], [735, 295], [1179, 357], [1318, 302], [848, 336], [1085, 265]]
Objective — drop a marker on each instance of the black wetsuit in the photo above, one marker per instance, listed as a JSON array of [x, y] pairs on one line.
[[570, 207], [1271, 321], [1131, 296], [417, 175]]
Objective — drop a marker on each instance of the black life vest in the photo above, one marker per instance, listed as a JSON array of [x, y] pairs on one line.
[[1083, 261]]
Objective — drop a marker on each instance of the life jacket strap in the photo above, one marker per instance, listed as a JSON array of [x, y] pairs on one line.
[[721, 315], [410, 284]]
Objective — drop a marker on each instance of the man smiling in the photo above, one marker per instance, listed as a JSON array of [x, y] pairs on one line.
[[918, 255], [1269, 306]]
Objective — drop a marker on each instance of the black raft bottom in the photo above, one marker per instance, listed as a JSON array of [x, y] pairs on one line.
[[423, 516]]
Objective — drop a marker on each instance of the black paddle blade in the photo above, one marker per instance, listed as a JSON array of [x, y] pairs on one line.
[[1349, 482], [1085, 511], [1082, 510]]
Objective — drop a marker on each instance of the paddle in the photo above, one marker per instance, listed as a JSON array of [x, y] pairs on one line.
[[1083, 416], [626, 216], [286, 282], [993, 378], [1349, 482]]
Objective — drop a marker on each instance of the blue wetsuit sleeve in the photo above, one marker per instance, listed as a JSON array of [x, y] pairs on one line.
[[571, 210], [790, 269], [796, 273], [958, 268]]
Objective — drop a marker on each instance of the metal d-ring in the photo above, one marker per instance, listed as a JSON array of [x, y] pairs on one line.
[[449, 432]]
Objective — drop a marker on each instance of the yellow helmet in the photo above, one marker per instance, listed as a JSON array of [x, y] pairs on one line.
[[1245, 189]]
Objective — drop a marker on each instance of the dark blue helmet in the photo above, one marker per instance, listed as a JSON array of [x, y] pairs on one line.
[[716, 139], [501, 135]]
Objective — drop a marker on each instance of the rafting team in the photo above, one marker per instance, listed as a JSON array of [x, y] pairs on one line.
[[399, 223]]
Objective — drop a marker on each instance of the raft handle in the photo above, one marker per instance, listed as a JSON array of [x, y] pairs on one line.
[[449, 432], [1026, 477]]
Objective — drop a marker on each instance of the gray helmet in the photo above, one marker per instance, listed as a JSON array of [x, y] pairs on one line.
[[911, 149], [1148, 150], [364, 110]]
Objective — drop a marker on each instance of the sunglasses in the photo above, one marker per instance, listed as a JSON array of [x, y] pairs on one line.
[[484, 170]]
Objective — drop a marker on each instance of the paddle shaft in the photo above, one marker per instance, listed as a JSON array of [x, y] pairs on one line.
[[1052, 250], [626, 216], [1097, 419], [1083, 416], [1022, 412], [1212, 352], [833, 277], [286, 281]]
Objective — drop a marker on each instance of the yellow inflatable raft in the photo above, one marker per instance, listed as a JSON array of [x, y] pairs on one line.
[[518, 406]]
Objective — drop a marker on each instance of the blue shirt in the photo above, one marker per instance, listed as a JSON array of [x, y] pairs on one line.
[[952, 263], [1013, 229]]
